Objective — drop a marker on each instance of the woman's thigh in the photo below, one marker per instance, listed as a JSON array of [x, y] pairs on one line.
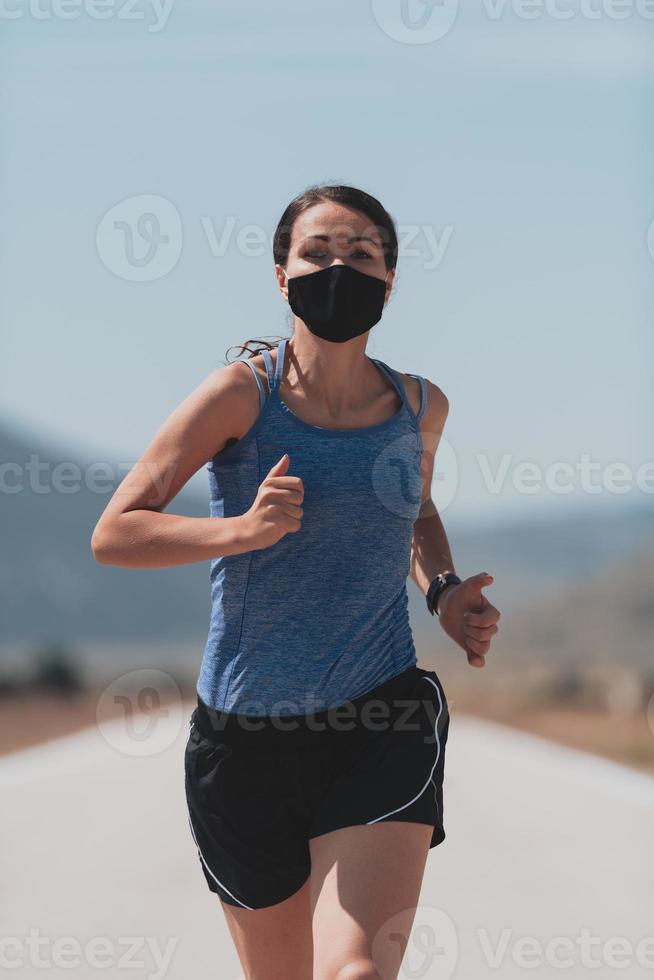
[[363, 876], [274, 943]]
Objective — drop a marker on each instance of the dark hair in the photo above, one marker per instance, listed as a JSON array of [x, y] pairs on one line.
[[350, 197]]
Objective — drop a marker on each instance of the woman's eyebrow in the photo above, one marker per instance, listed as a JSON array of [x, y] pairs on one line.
[[350, 241]]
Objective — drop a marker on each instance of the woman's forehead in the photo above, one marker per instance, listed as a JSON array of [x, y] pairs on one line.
[[334, 221]]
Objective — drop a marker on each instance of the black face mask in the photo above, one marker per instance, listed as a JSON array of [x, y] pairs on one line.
[[337, 303]]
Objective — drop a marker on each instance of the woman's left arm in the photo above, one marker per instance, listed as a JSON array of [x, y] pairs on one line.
[[464, 612]]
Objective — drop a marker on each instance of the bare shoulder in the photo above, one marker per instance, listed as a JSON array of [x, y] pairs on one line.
[[237, 377], [226, 387], [221, 409], [235, 394]]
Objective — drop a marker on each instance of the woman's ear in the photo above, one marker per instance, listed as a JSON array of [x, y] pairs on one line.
[[282, 280], [390, 279]]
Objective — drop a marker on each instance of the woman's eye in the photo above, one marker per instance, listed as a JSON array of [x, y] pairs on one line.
[[360, 253]]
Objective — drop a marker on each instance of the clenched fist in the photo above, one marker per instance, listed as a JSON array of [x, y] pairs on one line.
[[277, 509]]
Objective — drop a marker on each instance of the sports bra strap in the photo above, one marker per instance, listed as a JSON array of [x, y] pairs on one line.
[[262, 393], [423, 395]]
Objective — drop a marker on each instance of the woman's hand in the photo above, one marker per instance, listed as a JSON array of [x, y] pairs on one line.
[[468, 617], [277, 509]]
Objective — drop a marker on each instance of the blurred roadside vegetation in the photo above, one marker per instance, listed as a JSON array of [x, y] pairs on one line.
[[51, 668]]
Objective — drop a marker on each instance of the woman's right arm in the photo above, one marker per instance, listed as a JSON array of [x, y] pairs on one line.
[[133, 531]]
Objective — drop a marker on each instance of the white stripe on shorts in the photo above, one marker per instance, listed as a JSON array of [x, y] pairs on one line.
[[209, 869], [438, 752]]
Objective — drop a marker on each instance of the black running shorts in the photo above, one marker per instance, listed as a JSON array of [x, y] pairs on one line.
[[258, 788]]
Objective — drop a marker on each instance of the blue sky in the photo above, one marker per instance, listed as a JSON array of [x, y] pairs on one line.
[[522, 148]]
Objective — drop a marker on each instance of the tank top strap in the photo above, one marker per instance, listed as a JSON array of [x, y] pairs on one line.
[[275, 376], [399, 387], [267, 360]]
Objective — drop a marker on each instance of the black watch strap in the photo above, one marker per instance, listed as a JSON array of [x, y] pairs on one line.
[[442, 580]]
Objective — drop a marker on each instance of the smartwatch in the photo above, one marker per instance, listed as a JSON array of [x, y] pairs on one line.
[[442, 580]]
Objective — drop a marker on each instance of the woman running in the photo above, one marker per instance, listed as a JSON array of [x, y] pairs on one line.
[[315, 759]]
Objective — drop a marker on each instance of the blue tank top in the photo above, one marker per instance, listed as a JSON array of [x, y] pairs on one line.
[[322, 615]]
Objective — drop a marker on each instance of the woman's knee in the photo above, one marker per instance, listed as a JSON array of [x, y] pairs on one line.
[[361, 969]]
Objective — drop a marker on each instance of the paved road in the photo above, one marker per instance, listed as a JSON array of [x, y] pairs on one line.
[[543, 843]]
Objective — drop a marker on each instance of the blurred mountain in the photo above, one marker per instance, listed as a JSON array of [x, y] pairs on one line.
[[51, 588]]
